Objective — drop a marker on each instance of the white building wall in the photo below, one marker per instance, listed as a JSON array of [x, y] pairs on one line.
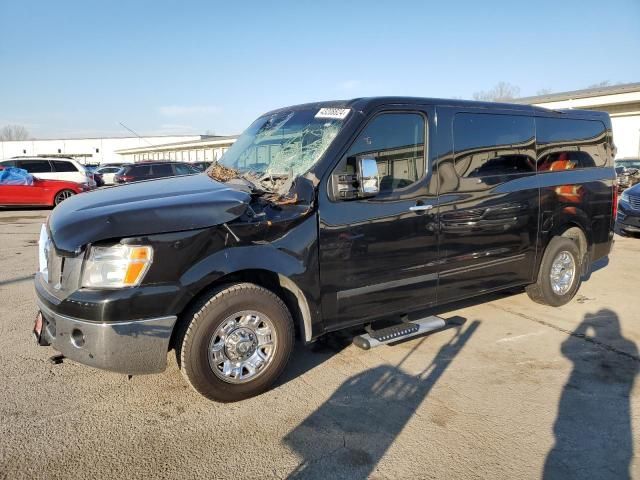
[[626, 135], [102, 150]]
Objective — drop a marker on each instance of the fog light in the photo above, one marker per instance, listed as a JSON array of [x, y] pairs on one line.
[[77, 338]]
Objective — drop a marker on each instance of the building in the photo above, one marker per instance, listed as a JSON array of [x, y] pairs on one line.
[[621, 102], [207, 149], [87, 150]]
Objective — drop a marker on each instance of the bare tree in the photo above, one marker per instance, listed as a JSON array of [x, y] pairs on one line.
[[544, 91], [14, 132], [604, 83], [502, 92]]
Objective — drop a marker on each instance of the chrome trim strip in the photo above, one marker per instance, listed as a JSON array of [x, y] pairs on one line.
[[490, 263], [353, 292], [129, 347]]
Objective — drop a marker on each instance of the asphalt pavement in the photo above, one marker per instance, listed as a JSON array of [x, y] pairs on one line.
[[511, 389]]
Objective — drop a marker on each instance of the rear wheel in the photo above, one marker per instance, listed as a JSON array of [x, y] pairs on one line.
[[236, 342], [559, 274], [62, 195]]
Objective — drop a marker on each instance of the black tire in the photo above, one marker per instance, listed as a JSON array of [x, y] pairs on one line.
[[62, 195], [542, 291], [202, 321]]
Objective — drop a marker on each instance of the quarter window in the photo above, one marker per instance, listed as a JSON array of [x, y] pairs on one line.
[[61, 166], [396, 141], [569, 144], [489, 145]]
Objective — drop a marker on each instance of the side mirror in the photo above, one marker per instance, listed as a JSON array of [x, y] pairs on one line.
[[368, 177]]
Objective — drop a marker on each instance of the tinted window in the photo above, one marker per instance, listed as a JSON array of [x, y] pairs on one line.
[[108, 170], [489, 145], [567, 144], [396, 141], [184, 169], [140, 170], [61, 166], [8, 163], [35, 166], [162, 170]]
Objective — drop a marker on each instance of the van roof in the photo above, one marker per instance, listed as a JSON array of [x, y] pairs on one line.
[[365, 104]]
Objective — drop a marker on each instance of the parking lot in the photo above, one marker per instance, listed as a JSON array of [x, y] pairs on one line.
[[511, 389]]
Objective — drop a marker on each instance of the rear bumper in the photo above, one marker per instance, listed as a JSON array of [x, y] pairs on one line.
[[129, 347]]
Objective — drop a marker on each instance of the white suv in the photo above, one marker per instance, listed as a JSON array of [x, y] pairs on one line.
[[53, 169]]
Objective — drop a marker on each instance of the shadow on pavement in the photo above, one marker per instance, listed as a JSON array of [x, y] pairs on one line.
[[348, 435], [593, 430]]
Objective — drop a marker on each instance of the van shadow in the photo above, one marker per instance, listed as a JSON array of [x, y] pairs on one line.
[[593, 430], [349, 434]]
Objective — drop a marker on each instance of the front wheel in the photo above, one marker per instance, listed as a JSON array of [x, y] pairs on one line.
[[62, 195], [559, 274], [236, 342]]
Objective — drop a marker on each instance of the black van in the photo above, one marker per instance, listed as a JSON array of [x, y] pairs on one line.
[[325, 216]]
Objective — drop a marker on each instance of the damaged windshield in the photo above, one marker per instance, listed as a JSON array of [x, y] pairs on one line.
[[284, 144]]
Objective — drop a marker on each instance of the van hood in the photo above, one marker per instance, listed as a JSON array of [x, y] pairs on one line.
[[144, 208]]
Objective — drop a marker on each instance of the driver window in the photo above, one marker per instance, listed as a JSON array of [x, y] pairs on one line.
[[396, 142]]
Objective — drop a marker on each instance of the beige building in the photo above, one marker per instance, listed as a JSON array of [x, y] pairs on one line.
[[621, 102], [207, 149]]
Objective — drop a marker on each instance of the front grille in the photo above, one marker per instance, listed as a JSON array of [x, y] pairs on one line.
[[634, 201], [60, 272]]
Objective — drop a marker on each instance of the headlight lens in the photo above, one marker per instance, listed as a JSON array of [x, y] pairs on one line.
[[117, 266], [625, 196]]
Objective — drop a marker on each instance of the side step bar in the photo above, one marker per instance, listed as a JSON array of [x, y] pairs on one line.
[[395, 333]]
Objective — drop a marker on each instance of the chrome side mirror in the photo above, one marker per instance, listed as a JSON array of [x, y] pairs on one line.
[[368, 177]]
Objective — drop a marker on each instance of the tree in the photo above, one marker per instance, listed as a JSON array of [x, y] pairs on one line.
[[502, 92], [14, 132], [544, 91]]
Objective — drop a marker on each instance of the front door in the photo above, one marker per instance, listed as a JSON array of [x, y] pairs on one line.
[[378, 255], [488, 202]]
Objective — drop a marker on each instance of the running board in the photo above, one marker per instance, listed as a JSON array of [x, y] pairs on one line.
[[395, 333]]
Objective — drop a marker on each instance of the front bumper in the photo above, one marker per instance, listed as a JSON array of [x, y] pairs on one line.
[[129, 347], [628, 218]]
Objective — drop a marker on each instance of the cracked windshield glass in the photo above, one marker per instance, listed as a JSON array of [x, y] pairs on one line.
[[284, 144]]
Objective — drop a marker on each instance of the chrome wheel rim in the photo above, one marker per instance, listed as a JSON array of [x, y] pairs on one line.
[[563, 271], [62, 196], [242, 347]]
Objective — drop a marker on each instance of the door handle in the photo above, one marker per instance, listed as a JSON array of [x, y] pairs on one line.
[[420, 208]]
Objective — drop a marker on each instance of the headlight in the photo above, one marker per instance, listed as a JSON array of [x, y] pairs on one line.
[[117, 266], [625, 196]]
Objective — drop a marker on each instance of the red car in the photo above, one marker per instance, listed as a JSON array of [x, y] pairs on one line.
[[40, 193]]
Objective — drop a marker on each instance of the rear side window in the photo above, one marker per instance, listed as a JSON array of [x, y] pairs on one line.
[[35, 166], [569, 144], [397, 142], [140, 170], [184, 169], [62, 166], [489, 145], [8, 163], [162, 170]]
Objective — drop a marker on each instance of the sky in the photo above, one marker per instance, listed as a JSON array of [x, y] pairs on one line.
[[71, 69]]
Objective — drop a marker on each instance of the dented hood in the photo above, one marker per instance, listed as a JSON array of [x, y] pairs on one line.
[[144, 208]]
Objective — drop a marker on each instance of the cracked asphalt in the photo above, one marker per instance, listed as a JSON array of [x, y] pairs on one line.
[[510, 389]]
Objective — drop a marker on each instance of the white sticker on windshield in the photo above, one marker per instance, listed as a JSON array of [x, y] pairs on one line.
[[338, 113]]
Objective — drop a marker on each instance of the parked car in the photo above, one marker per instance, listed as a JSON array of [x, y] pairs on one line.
[[627, 172], [322, 217], [107, 173], [37, 192], [53, 169], [629, 210], [150, 170]]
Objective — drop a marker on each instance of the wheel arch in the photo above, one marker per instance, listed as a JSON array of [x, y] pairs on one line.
[[283, 286]]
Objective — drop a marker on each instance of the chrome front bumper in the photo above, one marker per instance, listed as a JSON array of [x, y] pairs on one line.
[[131, 347]]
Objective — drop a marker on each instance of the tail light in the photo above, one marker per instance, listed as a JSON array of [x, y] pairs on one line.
[[614, 208], [123, 178]]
